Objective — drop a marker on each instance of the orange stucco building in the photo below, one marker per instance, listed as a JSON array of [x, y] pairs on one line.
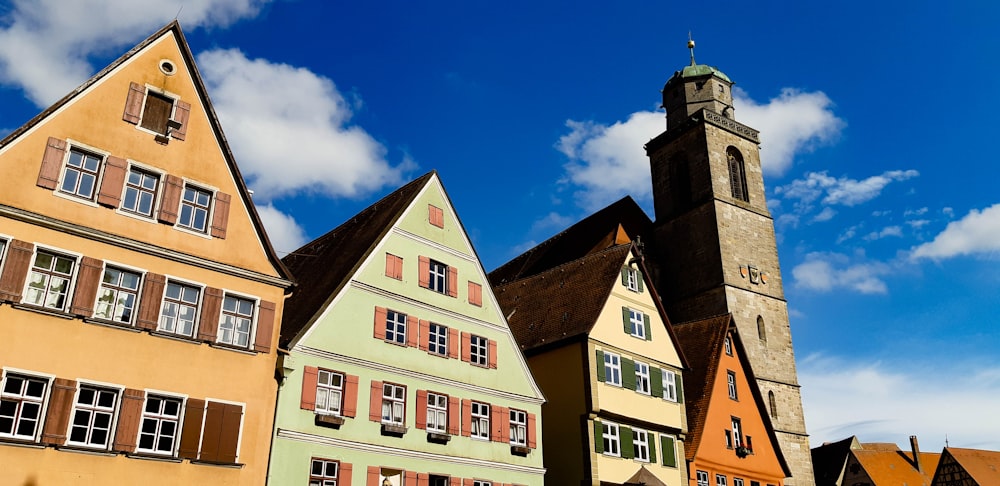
[[139, 296]]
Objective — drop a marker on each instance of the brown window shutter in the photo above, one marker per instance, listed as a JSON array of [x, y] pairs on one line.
[[455, 481], [423, 479], [149, 304], [454, 415], [346, 471], [496, 423], [468, 482], [52, 160], [411, 331], [453, 343], [424, 269], [466, 417], [129, 417], [375, 402], [222, 432], [211, 309], [422, 409], [182, 111], [309, 378], [504, 424], [492, 351], [133, 103], [411, 477], [171, 201], [532, 433], [424, 331], [466, 347], [380, 317], [87, 281], [191, 433], [220, 218], [452, 282], [15, 270], [60, 409], [112, 182], [475, 294], [265, 327], [373, 476], [350, 408]]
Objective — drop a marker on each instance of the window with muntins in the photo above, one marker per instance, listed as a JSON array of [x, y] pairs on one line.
[[21, 400], [609, 433], [729, 346], [93, 415], [49, 280], [393, 403], [737, 481], [702, 478], [479, 350], [737, 432], [612, 369], [437, 340], [669, 385], [479, 482], [194, 209], [395, 327], [235, 321], [80, 175], [731, 379], [118, 294], [438, 277], [180, 309], [737, 175], [158, 431], [640, 445], [323, 472], [480, 420], [720, 480], [638, 323], [632, 279], [642, 377], [329, 392], [518, 428], [140, 192], [437, 413]]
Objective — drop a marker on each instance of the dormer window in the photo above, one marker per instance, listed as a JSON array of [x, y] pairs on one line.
[[161, 113], [156, 112]]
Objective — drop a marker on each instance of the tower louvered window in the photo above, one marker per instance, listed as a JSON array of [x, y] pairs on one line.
[[737, 175]]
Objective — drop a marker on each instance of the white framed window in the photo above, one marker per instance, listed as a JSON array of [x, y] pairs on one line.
[[80, 174], [729, 346], [702, 478], [737, 481], [720, 480], [612, 369], [195, 205], [49, 280], [438, 277], [437, 339], [435, 480], [479, 350], [638, 323], [323, 472], [21, 400], [393, 404], [329, 392], [612, 441], [632, 279], [179, 311], [642, 378], [93, 415], [157, 111], [236, 320], [731, 380], [117, 296], [480, 420], [669, 385], [518, 428], [479, 482], [160, 425], [140, 192], [640, 445], [437, 413], [737, 432], [395, 327]]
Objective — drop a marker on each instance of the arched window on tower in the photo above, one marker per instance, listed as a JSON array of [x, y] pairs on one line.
[[737, 175], [773, 404], [761, 332]]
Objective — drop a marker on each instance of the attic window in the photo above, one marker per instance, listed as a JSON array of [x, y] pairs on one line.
[[167, 67]]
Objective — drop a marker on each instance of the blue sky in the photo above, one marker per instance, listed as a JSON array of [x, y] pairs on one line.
[[874, 120]]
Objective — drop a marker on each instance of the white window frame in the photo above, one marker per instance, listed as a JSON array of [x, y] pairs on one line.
[[139, 190], [737, 432], [731, 382], [395, 327], [479, 482], [640, 445], [97, 173], [194, 207], [702, 478], [21, 399], [437, 339], [729, 346], [116, 290], [323, 478], [173, 109], [518, 428], [329, 386], [632, 279], [642, 384], [393, 404], [179, 302], [638, 322], [611, 436], [737, 481], [669, 385], [720, 479], [238, 316], [160, 417], [479, 350], [480, 413], [48, 274], [437, 413], [612, 369], [94, 409], [437, 277]]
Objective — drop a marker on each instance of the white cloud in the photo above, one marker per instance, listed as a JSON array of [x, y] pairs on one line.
[[792, 123], [887, 231], [45, 44], [977, 233], [918, 223], [840, 191], [826, 272], [915, 212], [551, 221], [290, 130], [284, 232], [825, 215], [879, 403]]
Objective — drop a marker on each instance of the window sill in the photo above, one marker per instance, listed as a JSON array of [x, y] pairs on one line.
[[12, 441], [81, 449], [228, 465], [194, 232], [438, 437], [330, 421], [44, 310], [111, 324], [145, 456], [393, 430], [176, 337], [519, 450], [229, 347]]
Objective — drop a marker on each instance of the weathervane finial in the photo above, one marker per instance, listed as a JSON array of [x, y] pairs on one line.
[[691, 47]]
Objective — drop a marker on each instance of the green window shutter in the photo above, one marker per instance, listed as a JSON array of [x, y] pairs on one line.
[[639, 281], [625, 319], [669, 451], [651, 442], [625, 435], [628, 374], [656, 381], [600, 366], [625, 276], [649, 335], [680, 387], [598, 437]]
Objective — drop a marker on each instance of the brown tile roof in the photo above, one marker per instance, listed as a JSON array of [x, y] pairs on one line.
[[593, 233], [829, 460], [643, 477], [326, 264], [982, 465], [895, 467]]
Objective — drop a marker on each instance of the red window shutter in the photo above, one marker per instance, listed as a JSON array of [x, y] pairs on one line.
[[350, 408], [375, 402], [455, 482], [87, 281], [309, 377], [128, 420], [466, 347], [171, 201], [492, 358], [496, 423], [182, 111], [265, 327], [60, 409], [380, 317], [532, 424], [15, 270], [423, 479], [466, 417], [468, 482], [194, 411], [373, 476], [220, 216], [504, 425], [452, 282], [411, 331], [411, 477], [422, 409], [475, 294], [393, 266], [52, 160], [149, 304], [112, 182], [133, 103], [424, 271], [453, 343], [346, 471], [425, 331], [454, 419], [211, 309], [435, 216]]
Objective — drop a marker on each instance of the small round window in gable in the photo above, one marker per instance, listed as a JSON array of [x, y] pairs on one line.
[[167, 67]]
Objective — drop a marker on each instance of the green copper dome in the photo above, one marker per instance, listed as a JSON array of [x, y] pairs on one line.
[[697, 70]]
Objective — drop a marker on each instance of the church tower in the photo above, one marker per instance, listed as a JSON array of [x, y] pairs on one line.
[[715, 244]]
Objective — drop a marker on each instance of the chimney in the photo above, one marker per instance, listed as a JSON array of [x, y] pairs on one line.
[[916, 453]]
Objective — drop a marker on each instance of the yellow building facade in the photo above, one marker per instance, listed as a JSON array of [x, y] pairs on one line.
[[140, 299]]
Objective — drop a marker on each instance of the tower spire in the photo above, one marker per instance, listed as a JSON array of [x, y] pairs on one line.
[[691, 47]]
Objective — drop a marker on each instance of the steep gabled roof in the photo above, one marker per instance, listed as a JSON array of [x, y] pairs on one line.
[[703, 342], [981, 465], [328, 262], [593, 233], [174, 28], [887, 465], [829, 460]]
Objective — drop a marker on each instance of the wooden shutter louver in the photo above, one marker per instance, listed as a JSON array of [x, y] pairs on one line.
[[129, 417], [453, 343], [265, 327], [381, 314], [411, 331], [648, 327], [466, 347], [307, 401], [668, 451], [15, 270], [651, 444], [601, 373], [424, 271], [52, 160], [411, 477], [373, 476], [656, 381], [59, 411], [112, 181], [452, 282], [87, 281], [532, 432], [182, 111], [475, 294], [421, 409], [345, 473], [222, 431], [454, 415], [133, 103], [194, 412], [424, 330], [492, 353], [627, 320], [628, 373], [171, 201], [211, 310], [625, 442], [496, 423], [149, 304], [375, 402], [466, 417], [220, 215], [598, 437], [350, 405]]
